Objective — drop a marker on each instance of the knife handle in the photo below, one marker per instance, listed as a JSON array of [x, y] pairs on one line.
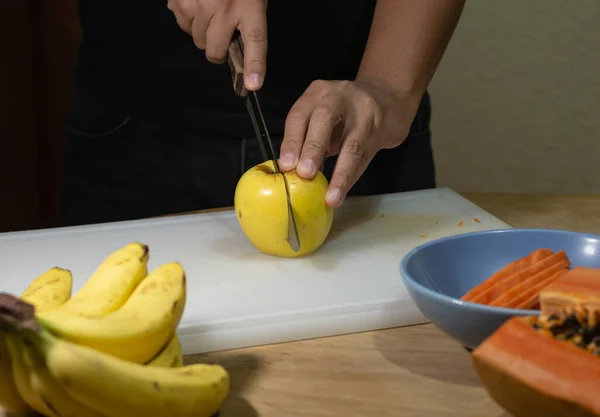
[[235, 59]]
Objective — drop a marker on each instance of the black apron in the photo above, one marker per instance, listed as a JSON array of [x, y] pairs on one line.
[[156, 129]]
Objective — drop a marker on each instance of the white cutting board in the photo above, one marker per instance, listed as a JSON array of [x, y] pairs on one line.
[[239, 297]]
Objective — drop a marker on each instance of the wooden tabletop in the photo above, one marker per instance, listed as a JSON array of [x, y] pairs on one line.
[[409, 371]]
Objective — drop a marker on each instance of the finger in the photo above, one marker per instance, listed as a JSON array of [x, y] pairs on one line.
[[326, 115], [184, 23], [188, 11], [337, 137], [352, 162], [218, 37], [296, 125], [322, 168], [199, 26], [253, 28]]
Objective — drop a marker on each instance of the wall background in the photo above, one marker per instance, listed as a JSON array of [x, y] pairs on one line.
[[516, 100]]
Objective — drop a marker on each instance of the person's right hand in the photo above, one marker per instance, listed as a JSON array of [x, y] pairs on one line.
[[212, 24]]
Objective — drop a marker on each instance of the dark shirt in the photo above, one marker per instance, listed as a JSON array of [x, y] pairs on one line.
[[134, 50], [145, 89]]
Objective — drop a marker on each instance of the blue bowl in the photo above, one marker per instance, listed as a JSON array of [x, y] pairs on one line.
[[439, 272]]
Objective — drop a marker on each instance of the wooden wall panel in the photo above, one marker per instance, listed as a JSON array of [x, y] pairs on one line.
[[38, 41]]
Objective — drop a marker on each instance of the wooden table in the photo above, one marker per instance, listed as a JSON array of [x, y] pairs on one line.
[[409, 371]]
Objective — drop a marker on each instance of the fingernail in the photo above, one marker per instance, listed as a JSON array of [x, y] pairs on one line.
[[306, 168], [334, 196], [287, 161], [253, 81]]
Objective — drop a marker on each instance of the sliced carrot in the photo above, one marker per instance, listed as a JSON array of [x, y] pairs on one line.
[[510, 281], [529, 300], [506, 299], [510, 269]]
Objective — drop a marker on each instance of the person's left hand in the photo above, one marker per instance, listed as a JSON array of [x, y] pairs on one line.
[[355, 119]]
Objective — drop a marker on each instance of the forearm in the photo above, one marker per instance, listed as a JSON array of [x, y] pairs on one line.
[[407, 41]]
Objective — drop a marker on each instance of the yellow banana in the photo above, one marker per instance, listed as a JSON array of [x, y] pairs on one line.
[[171, 356], [50, 290], [56, 397], [10, 399], [21, 376], [137, 331], [112, 283], [51, 392], [118, 388]]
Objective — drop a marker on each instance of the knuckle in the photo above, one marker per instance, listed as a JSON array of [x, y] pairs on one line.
[[226, 4], [344, 177], [291, 145], [364, 160], [296, 116], [354, 147], [370, 103], [319, 84], [183, 24], [200, 43], [315, 147], [256, 65], [257, 34], [215, 57], [189, 7], [324, 112], [345, 85]]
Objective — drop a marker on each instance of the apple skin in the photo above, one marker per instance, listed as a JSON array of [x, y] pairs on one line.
[[261, 208]]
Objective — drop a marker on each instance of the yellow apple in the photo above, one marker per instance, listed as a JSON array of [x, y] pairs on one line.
[[261, 209]]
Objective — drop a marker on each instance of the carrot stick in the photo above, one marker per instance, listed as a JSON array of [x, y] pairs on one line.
[[529, 300], [510, 281], [510, 269]]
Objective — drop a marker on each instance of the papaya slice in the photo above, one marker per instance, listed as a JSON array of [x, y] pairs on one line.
[[577, 290], [507, 271], [545, 267], [518, 293], [529, 299], [542, 367]]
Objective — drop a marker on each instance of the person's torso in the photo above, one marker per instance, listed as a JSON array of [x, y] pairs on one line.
[[136, 51]]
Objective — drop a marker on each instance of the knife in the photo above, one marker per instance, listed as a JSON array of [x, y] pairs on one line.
[[236, 64]]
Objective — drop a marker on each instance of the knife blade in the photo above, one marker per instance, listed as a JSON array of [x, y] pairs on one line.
[[236, 64]]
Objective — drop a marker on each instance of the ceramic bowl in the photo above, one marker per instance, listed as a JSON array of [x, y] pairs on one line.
[[439, 272]]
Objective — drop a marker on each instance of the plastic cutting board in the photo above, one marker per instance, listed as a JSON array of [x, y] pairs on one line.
[[239, 297]]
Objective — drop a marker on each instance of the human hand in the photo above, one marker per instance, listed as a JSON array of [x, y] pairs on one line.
[[212, 24], [351, 119]]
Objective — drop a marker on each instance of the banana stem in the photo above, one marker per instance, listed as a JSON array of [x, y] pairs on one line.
[[16, 315]]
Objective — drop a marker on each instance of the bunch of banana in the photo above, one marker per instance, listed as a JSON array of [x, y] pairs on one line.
[[47, 291], [109, 350]]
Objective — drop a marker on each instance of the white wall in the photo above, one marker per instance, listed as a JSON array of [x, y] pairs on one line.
[[516, 100]]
